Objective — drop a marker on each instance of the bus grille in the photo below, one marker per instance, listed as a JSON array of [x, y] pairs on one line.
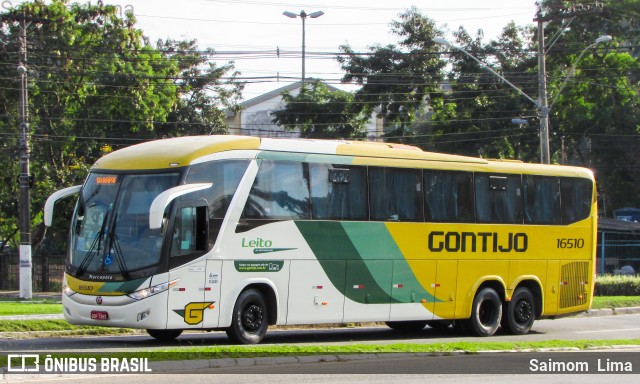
[[574, 280]]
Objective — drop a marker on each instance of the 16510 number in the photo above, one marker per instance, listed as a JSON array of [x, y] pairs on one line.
[[570, 243]]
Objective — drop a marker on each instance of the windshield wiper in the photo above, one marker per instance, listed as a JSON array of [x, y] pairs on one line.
[[115, 244], [93, 250]]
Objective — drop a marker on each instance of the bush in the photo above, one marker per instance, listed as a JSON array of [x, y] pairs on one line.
[[617, 285]]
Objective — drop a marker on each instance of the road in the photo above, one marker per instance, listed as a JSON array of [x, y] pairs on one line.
[[573, 328]]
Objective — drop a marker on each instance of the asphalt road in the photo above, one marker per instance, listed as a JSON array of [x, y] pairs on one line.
[[573, 328]]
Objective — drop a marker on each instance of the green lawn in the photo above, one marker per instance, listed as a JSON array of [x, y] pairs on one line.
[[600, 302], [10, 308]]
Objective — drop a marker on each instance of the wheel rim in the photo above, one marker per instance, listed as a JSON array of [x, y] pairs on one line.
[[523, 312], [252, 317]]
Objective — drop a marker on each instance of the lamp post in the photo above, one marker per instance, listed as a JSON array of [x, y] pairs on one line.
[[541, 104], [303, 15]]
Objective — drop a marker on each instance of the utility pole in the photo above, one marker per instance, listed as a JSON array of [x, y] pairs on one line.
[[24, 178], [545, 157], [24, 210], [543, 112]]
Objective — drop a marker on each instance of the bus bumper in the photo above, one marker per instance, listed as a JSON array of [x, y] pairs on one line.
[[116, 311]]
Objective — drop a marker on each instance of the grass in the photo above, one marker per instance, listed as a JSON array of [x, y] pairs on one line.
[[601, 302], [46, 328], [235, 351], [11, 308]]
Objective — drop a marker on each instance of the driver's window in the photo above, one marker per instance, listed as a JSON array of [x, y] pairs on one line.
[[190, 231]]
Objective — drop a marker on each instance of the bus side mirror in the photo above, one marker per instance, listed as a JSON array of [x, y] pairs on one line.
[[162, 201], [51, 201]]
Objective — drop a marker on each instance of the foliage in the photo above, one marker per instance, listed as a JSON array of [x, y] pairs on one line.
[[617, 285], [397, 80], [95, 85], [594, 119], [319, 112]]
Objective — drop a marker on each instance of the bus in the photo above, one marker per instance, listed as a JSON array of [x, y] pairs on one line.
[[238, 233]]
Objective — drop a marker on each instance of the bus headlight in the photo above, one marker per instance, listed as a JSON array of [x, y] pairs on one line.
[[144, 293], [65, 288]]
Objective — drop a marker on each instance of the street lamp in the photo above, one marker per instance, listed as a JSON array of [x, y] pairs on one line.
[[303, 15], [541, 104]]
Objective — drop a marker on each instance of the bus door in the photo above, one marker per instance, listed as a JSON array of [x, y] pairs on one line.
[[189, 243]]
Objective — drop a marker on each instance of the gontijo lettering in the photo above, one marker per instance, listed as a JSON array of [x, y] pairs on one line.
[[477, 242]]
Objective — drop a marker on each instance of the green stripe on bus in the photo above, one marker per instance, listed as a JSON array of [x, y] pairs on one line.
[[374, 242], [334, 246], [308, 158], [371, 258]]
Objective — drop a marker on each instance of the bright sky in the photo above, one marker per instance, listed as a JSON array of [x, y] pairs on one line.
[[238, 27]]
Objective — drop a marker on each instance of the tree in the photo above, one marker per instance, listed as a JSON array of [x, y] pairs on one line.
[[320, 112], [475, 117], [597, 115], [96, 85], [397, 80]]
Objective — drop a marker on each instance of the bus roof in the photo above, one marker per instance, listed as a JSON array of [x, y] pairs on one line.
[[183, 151]]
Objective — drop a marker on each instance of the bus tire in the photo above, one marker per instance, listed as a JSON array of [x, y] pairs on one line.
[[486, 313], [406, 326], [250, 318], [519, 313], [164, 334]]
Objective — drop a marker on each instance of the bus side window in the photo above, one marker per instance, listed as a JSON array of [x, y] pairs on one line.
[[338, 192], [396, 194], [576, 195], [541, 200], [190, 231], [498, 198], [448, 196], [280, 191]]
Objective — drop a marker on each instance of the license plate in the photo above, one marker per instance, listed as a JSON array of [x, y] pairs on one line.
[[99, 315]]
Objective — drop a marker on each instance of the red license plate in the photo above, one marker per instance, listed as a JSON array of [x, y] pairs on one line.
[[99, 315]]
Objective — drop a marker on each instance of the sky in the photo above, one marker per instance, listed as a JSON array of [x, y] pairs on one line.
[[249, 32]]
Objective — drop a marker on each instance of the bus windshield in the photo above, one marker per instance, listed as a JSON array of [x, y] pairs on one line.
[[110, 230]]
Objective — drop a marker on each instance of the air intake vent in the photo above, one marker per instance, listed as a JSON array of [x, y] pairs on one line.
[[574, 281]]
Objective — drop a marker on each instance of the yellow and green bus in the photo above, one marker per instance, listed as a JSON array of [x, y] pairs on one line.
[[238, 233]]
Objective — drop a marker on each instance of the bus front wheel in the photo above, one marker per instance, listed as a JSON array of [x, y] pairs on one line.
[[486, 312], [249, 321], [519, 313], [164, 334]]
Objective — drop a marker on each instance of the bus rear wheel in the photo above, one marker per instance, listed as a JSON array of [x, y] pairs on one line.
[[519, 313], [406, 326], [486, 313], [250, 319], [164, 334]]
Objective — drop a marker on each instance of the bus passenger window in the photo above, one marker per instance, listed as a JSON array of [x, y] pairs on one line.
[[190, 231], [541, 200], [498, 198], [396, 194], [448, 196], [280, 191], [338, 193], [576, 200]]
